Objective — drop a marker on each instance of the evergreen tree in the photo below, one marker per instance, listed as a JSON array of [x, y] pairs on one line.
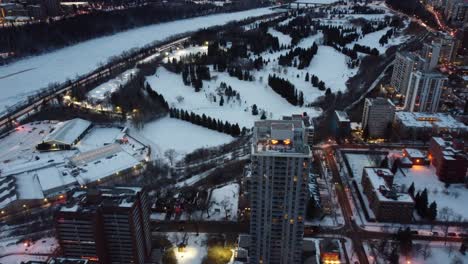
[[307, 77], [254, 110], [263, 117], [411, 190], [432, 211], [221, 101], [384, 163], [424, 203]]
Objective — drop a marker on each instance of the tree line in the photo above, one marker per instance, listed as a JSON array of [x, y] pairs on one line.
[[206, 121], [286, 90], [305, 56]]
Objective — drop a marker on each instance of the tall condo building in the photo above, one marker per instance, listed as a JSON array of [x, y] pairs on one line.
[[424, 91], [405, 64], [280, 167], [106, 226], [431, 55]]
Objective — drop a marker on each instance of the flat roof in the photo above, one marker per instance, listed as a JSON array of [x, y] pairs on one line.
[[428, 120], [415, 153], [375, 176], [67, 132]]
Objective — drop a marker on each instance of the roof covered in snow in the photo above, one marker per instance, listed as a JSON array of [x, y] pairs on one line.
[[428, 120], [69, 131]]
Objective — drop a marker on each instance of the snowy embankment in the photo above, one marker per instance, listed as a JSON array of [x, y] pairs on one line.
[[24, 77], [184, 137]]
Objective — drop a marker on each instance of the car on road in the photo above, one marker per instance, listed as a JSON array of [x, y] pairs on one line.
[[435, 233], [451, 234]]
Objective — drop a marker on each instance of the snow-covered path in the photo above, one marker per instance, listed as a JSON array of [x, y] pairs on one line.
[[25, 76]]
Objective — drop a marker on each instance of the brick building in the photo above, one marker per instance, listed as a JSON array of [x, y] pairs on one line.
[[450, 159], [385, 201]]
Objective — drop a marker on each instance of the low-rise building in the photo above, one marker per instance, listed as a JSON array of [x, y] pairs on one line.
[[416, 126], [416, 156], [377, 116], [341, 124], [450, 159], [385, 201]]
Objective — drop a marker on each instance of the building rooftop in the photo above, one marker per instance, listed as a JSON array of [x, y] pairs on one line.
[[414, 153], [280, 137], [104, 197], [67, 132], [429, 120], [384, 191], [342, 116]]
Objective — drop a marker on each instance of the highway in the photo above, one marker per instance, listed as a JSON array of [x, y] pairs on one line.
[[18, 113]]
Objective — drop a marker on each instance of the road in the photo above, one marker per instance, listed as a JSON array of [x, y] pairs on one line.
[[40, 100]]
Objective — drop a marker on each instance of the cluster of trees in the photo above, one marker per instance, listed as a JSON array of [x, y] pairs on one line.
[[384, 39], [338, 35], [51, 34], [243, 75], [286, 89], [208, 122], [366, 50], [193, 74], [227, 91], [316, 82], [298, 28], [414, 8], [422, 205], [363, 9], [305, 56]]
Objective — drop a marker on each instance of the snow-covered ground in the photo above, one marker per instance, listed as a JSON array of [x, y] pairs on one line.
[[436, 253], [33, 73], [183, 137], [423, 252], [450, 201], [195, 249], [258, 92], [372, 40], [222, 199], [180, 53], [17, 251]]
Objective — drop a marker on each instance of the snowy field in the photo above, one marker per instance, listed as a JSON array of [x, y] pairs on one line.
[[222, 199], [451, 201], [184, 137], [195, 249], [437, 253], [30, 74], [17, 252], [171, 86]]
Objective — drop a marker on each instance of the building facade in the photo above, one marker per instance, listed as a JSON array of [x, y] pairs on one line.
[[424, 91], [280, 167], [450, 160], [405, 63], [107, 226], [377, 116]]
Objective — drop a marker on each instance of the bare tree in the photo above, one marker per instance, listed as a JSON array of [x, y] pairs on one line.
[[171, 155], [426, 251], [227, 206]]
